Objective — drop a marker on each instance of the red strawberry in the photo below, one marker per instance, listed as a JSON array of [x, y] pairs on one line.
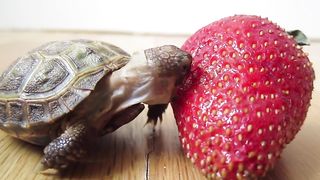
[[245, 98]]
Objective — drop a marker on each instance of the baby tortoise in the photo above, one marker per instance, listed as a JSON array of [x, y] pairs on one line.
[[65, 93]]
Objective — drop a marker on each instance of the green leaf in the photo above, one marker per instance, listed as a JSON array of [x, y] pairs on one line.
[[300, 37]]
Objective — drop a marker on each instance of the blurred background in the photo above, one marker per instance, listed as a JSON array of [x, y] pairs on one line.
[[150, 16]]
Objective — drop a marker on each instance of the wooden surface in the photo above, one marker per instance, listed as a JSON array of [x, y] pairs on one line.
[[134, 151]]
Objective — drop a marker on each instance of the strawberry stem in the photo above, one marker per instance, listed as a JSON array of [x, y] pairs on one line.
[[300, 37]]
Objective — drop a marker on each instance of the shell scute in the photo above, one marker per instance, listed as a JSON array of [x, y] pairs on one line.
[[48, 76], [73, 97], [53, 48], [116, 49], [89, 81], [57, 108], [13, 79], [3, 112], [16, 112], [37, 112], [84, 57]]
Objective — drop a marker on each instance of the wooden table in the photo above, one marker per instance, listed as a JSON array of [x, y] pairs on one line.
[[133, 151]]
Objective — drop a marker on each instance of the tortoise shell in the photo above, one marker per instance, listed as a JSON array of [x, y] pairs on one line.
[[53, 79]]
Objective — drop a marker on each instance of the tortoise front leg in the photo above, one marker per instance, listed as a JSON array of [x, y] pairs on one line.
[[123, 117], [68, 147]]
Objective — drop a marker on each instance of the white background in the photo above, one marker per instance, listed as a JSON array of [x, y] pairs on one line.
[[150, 16]]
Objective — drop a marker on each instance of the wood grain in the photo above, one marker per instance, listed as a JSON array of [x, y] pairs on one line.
[[135, 151]]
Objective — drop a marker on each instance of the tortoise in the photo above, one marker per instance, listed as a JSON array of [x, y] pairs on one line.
[[65, 93]]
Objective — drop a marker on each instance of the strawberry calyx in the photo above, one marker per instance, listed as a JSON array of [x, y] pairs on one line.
[[299, 37]]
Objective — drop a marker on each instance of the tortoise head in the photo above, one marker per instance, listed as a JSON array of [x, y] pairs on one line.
[[169, 61]]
